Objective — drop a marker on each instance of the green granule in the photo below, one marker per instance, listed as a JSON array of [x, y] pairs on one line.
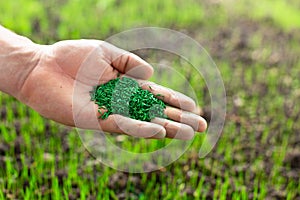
[[124, 96]]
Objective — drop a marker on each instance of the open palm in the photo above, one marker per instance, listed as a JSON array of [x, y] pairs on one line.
[[59, 88]]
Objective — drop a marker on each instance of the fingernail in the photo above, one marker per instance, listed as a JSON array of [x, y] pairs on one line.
[[161, 134], [202, 125]]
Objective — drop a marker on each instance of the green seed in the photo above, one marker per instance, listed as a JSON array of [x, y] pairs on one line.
[[124, 96]]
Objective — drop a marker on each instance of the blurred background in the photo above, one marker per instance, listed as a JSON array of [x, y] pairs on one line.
[[255, 45]]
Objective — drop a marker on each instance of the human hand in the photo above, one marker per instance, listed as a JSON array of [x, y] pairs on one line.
[[59, 86]]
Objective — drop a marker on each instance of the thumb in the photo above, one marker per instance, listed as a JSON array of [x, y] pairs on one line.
[[126, 62]]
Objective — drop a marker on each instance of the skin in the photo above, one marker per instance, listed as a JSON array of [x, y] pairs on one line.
[[55, 80]]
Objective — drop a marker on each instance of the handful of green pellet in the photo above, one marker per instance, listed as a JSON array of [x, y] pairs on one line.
[[124, 96]]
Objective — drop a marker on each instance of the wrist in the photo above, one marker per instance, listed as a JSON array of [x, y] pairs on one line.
[[18, 58]]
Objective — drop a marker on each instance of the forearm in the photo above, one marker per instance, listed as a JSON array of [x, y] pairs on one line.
[[18, 57]]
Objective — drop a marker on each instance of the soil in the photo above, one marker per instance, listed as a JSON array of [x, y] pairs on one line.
[[234, 46]]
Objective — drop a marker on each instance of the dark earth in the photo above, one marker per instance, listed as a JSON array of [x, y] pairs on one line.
[[233, 46]]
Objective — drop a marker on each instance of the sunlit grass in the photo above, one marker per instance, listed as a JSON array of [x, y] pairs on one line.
[[45, 159]]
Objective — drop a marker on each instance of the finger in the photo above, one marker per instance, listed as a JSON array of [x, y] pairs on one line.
[[126, 62], [124, 125], [170, 96], [198, 123], [175, 129]]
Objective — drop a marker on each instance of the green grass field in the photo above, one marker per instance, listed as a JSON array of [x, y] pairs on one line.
[[255, 45]]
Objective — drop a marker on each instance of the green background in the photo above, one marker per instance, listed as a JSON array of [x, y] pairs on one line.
[[255, 44]]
